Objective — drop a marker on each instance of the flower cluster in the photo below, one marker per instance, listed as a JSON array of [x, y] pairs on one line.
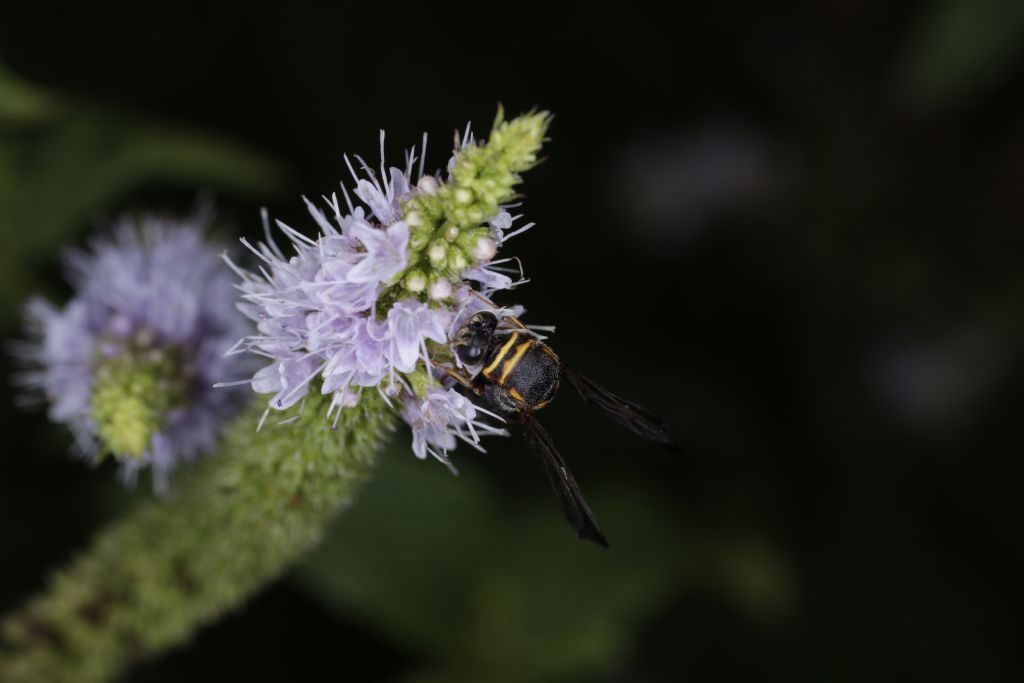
[[129, 362], [372, 300]]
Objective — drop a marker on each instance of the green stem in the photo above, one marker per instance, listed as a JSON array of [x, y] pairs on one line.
[[231, 525]]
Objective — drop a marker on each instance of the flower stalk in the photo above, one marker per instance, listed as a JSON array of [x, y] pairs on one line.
[[447, 220], [234, 523]]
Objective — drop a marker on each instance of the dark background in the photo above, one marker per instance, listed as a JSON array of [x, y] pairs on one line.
[[796, 235]]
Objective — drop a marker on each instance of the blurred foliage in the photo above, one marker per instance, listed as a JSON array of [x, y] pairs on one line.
[[23, 103], [961, 48], [490, 592], [815, 529], [153, 577], [63, 163]]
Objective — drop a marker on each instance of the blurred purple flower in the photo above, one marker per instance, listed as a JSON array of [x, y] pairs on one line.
[[156, 281]]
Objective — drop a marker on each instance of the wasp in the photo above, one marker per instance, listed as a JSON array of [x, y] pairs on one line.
[[518, 375]]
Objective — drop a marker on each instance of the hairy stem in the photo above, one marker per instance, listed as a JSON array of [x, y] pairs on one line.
[[232, 524]]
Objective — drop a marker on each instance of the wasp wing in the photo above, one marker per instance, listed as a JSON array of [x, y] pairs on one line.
[[636, 419], [570, 498]]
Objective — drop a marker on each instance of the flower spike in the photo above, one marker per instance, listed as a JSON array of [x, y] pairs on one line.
[[372, 300]]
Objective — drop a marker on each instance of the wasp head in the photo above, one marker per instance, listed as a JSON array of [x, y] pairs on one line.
[[474, 337]]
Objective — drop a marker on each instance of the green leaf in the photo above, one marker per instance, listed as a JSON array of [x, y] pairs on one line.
[[962, 48], [408, 550], [493, 592], [21, 102], [76, 162], [77, 168]]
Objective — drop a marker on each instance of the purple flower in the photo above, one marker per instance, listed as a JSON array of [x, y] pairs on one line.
[[410, 324], [153, 288], [385, 252], [316, 311], [384, 202], [441, 417], [371, 300]]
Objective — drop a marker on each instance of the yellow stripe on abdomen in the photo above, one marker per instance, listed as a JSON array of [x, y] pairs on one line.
[[501, 354], [520, 350]]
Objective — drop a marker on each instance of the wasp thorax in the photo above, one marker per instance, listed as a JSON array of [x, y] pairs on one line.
[[484, 321]]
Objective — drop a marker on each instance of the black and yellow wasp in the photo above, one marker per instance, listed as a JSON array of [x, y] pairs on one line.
[[519, 375]]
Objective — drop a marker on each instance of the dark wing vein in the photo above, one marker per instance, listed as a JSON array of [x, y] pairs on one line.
[[570, 498], [636, 419]]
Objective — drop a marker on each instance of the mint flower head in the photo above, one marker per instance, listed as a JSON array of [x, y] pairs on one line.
[[129, 362], [371, 301]]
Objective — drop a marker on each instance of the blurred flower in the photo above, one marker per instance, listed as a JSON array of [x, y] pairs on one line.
[[674, 186], [128, 364], [372, 300], [938, 382]]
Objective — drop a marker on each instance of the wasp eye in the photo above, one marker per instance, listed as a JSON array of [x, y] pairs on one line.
[[470, 354]]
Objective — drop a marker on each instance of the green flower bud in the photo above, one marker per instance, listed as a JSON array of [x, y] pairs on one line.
[[416, 281], [420, 238], [457, 261], [414, 219], [437, 253]]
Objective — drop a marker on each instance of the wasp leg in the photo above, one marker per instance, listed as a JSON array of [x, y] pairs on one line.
[[459, 377]]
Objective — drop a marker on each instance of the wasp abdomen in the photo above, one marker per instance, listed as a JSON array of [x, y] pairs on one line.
[[524, 371]]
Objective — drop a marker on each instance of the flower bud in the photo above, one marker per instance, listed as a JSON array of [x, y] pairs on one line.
[[419, 239], [457, 260], [440, 289], [416, 281], [484, 249], [413, 219], [428, 185], [437, 253]]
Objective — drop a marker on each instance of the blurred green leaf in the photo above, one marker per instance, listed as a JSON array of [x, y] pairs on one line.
[[562, 608], [404, 555], [82, 165], [498, 594], [960, 48], [21, 102], [78, 161]]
